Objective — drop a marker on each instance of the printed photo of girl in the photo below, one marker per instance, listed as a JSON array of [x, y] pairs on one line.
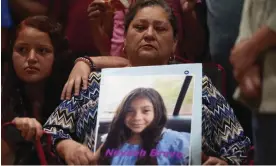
[[138, 135]]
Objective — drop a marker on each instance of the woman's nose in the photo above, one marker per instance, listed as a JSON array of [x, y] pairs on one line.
[[149, 34], [32, 57]]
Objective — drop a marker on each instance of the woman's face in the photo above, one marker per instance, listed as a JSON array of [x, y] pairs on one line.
[[33, 55], [149, 39], [140, 115]]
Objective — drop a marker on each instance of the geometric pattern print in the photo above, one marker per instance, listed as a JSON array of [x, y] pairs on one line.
[[222, 134], [76, 118], [86, 123]]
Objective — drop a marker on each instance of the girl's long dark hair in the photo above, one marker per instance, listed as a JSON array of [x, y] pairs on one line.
[[14, 101], [119, 133]]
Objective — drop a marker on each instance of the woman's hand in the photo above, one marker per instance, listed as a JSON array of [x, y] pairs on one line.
[[251, 82], [78, 75], [214, 161], [99, 13], [81, 71], [101, 25], [29, 128], [79, 155], [188, 5], [243, 55], [95, 10], [75, 153]]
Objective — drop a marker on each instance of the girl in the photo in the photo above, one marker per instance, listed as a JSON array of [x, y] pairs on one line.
[[139, 126]]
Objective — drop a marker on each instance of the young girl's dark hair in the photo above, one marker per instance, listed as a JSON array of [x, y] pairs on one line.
[[119, 133], [14, 101]]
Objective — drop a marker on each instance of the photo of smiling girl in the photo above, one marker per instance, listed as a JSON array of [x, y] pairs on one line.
[[138, 135]]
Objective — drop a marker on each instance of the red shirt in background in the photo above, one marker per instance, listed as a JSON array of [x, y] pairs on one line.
[[77, 28]]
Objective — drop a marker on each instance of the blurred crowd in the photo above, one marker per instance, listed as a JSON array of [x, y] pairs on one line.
[[52, 52]]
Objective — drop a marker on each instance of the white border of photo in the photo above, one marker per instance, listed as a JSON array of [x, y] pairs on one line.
[[186, 69]]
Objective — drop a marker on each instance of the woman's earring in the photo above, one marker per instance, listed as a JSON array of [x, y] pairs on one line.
[[172, 60], [124, 52]]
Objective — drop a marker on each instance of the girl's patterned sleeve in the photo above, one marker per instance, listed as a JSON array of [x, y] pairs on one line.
[[222, 134], [76, 118]]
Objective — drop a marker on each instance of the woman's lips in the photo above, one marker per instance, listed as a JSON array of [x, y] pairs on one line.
[[31, 69], [148, 46]]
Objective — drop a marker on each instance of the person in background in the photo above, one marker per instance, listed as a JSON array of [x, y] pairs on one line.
[[253, 59], [86, 30], [193, 37], [6, 25], [223, 20], [150, 39], [88, 25], [31, 89], [117, 40], [20, 10]]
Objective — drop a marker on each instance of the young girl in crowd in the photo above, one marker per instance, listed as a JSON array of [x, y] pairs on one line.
[[31, 89], [139, 136]]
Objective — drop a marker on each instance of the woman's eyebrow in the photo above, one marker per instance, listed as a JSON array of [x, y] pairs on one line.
[[45, 45], [162, 23], [21, 43], [157, 22], [141, 21]]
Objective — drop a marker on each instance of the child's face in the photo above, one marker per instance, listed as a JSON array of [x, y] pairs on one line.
[[140, 115]]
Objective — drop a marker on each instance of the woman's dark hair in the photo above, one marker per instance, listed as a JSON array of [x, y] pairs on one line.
[[47, 25], [14, 101], [119, 133], [140, 4]]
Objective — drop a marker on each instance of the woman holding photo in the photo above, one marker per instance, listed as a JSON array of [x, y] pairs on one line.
[[139, 126], [150, 39]]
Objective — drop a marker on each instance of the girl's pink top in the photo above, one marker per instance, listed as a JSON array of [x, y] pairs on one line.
[[117, 40]]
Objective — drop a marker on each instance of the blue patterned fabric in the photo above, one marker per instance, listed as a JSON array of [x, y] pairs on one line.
[[76, 118], [222, 134]]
